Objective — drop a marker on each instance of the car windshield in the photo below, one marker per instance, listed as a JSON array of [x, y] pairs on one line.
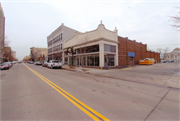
[[55, 61], [4, 64]]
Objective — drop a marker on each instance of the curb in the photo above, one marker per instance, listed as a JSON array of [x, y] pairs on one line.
[[76, 70]]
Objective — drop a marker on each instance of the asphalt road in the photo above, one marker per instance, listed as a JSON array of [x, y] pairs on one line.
[[30, 92]]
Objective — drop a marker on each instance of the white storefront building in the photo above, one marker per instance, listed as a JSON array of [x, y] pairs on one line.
[[97, 48]]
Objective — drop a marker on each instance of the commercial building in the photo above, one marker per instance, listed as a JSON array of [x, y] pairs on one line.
[[130, 52], [102, 47], [2, 33], [96, 48], [56, 39], [174, 55], [34, 51], [41, 55]]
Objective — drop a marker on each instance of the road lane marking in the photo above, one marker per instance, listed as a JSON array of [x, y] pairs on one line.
[[86, 109]]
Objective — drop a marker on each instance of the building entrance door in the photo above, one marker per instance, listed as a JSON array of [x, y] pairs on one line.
[[131, 61]]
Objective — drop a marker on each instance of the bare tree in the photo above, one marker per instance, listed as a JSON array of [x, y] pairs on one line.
[[163, 52], [176, 20]]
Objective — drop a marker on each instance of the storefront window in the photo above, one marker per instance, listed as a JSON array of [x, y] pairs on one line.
[[66, 60], [91, 60], [96, 60], [83, 60], [109, 60], [89, 49]]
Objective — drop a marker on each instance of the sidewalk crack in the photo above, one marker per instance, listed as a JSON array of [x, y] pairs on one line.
[[157, 105]]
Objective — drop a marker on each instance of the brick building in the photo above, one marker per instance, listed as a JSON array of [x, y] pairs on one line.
[[2, 33], [130, 52]]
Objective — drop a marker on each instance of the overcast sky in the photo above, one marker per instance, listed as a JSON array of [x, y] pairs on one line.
[[29, 23]]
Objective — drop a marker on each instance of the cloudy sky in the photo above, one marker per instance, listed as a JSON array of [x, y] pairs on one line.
[[29, 22]]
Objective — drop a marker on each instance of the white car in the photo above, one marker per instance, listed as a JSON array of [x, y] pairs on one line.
[[38, 63], [54, 64]]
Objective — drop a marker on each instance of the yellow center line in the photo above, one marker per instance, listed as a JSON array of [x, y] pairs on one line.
[[86, 109]]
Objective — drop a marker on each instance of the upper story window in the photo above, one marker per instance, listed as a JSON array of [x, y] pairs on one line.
[[109, 48], [172, 56], [49, 50], [61, 46]]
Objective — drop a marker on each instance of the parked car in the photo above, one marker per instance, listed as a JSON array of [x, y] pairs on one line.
[[171, 61], [163, 61], [54, 64], [30, 62], [4, 66], [38, 63], [9, 64], [14, 62], [44, 64]]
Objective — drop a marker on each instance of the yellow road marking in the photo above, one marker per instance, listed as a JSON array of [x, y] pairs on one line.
[[72, 99]]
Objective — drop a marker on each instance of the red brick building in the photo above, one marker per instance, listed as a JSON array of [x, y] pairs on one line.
[[130, 52]]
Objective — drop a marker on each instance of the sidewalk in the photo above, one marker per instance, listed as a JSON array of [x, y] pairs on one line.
[[85, 70], [165, 75]]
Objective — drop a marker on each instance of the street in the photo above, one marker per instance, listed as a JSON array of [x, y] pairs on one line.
[[30, 92]]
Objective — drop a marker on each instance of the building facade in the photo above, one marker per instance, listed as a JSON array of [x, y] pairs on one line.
[[102, 47], [174, 55], [56, 39], [2, 33], [34, 51], [97, 48], [41, 55], [130, 52]]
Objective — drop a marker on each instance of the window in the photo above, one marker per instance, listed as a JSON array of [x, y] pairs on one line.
[[49, 50], [61, 36], [89, 49], [172, 55], [109, 60], [109, 48]]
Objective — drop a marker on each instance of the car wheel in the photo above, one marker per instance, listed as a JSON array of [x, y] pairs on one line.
[[60, 67]]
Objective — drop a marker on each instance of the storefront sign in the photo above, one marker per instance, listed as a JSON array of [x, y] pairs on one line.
[[131, 54]]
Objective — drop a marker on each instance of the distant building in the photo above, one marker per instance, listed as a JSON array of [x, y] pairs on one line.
[[34, 51], [2, 33], [56, 39], [41, 55], [174, 55], [7, 54], [27, 58]]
